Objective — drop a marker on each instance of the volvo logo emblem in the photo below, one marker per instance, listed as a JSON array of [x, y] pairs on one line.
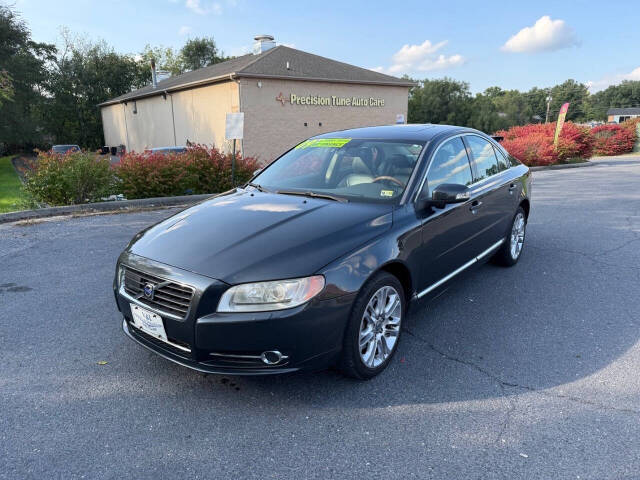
[[149, 290]]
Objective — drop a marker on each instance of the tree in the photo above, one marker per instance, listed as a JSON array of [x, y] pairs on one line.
[[440, 101], [626, 94], [576, 94], [166, 59], [200, 52], [82, 76], [23, 75], [6, 87]]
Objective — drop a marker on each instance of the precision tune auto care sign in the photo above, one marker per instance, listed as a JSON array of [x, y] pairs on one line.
[[331, 101]]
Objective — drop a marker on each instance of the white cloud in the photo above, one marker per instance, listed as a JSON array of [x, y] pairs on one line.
[[609, 80], [545, 35], [421, 58], [184, 30], [204, 8]]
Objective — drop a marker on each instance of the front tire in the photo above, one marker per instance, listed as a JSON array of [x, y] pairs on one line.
[[511, 249], [374, 327]]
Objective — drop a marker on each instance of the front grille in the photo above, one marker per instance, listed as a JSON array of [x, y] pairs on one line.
[[169, 297], [160, 343]]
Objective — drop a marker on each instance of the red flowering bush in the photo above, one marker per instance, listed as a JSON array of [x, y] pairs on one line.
[[198, 170], [533, 144], [614, 139]]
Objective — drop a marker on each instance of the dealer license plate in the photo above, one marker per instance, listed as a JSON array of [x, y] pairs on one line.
[[148, 322]]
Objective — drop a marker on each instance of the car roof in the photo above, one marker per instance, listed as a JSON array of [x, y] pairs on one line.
[[409, 132]]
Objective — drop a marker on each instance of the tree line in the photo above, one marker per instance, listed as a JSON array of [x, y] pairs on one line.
[[451, 102], [50, 94]]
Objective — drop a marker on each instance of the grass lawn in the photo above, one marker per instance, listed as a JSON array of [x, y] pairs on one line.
[[10, 192]]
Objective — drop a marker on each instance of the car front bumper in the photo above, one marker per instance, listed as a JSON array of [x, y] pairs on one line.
[[309, 336]]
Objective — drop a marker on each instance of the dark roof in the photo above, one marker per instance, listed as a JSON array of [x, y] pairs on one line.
[[270, 64], [624, 111], [409, 132]]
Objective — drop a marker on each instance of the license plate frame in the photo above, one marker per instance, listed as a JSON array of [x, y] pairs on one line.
[[148, 322]]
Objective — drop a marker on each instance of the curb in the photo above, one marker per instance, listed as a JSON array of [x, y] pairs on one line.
[[563, 166], [113, 206]]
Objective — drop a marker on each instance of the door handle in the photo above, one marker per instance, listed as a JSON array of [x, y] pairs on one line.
[[475, 205], [512, 187]]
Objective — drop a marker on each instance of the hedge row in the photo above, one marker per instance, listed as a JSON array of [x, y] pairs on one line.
[[84, 177], [534, 144]]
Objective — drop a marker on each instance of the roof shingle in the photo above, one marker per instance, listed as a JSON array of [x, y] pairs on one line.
[[270, 64]]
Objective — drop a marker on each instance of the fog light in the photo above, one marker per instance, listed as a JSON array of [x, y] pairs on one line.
[[271, 357]]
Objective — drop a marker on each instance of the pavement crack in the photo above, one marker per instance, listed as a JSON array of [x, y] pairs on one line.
[[504, 384]]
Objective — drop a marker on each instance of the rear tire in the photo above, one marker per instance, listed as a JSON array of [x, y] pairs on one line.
[[511, 249], [373, 329]]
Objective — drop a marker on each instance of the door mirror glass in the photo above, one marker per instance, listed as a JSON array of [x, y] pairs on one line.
[[443, 195], [450, 193]]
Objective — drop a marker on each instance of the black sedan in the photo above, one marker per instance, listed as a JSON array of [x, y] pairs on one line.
[[314, 262]]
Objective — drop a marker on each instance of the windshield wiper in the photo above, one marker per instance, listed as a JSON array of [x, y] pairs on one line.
[[260, 188], [313, 195]]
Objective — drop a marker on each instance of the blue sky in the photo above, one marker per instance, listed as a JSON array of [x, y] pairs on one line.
[[511, 44]]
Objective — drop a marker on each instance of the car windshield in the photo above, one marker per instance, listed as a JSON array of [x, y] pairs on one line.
[[353, 169]]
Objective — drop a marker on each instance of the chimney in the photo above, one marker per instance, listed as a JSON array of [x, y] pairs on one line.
[[263, 43], [154, 78]]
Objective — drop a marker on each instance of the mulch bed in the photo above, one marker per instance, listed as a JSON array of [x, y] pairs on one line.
[[24, 164]]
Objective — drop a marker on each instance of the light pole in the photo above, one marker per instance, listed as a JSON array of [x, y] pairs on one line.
[[548, 105]]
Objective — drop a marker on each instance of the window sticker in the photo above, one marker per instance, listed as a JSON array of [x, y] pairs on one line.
[[324, 143], [386, 193]]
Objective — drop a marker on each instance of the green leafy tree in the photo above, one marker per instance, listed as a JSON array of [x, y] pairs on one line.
[[626, 94], [82, 76], [165, 57], [444, 101], [200, 52], [576, 94], [23, 75]]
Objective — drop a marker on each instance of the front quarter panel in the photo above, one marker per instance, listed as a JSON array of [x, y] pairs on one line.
[[348, 274]]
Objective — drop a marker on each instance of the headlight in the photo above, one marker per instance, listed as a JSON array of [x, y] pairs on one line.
[[276, 295]]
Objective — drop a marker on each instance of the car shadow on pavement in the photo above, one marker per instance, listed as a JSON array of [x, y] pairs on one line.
[[549, 321]]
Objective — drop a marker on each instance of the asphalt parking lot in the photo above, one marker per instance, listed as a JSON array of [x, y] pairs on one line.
[[529, 372]]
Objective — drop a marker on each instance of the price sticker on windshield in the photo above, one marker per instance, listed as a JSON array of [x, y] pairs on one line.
[[386, 193], [324, 143]]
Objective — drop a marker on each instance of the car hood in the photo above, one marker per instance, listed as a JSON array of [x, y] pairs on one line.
[[252, 236]]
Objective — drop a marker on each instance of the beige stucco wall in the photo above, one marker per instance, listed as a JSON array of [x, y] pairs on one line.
[[271, 128], [151, 126], [199, 114], [115, 130]]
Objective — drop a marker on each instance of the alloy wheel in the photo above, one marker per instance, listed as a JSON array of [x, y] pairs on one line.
[[380, 327], [517, 235]]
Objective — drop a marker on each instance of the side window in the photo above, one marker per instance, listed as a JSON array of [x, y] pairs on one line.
[[483, 156], [503, 163], [449, 165]]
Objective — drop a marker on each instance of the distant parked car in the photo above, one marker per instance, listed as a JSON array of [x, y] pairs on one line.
[[166, 150], [65, 149]]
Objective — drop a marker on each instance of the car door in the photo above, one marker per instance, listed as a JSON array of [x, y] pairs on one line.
[[490, 194], [445, 231]]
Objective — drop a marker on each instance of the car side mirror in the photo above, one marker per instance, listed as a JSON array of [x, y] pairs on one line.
[[444, 194]]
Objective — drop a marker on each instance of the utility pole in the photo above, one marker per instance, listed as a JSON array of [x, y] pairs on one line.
[[548, 105]]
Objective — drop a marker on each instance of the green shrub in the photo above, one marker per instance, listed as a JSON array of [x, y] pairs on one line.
[[79, 177], [198, 170]]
